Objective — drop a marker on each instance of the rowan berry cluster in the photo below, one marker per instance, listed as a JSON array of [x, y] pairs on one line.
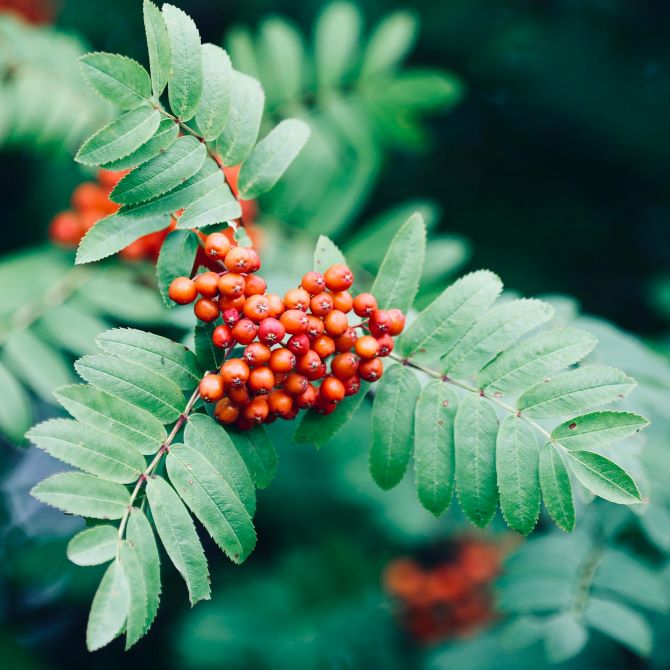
[[300, 351], [447, 593]]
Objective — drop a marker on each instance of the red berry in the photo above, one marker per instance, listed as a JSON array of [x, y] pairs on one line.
[[235, 372], [367, 346], [321, 304], [294, 321], [380, 322], [231, 316], [217, 245], [261, 380], [207, 284], [371, 370], [295, 384], [332, 389], [257, 410], [255, 260], [336, 323], [385, 345], [344, 366], [211, 387], [206, 310], [226, 411], [298, 344], [282, 360], [182, 290], [365, 304], [222, 337], [309, 364], [297, 298], [244, 331], [315, 326], [307, 398], [352, 385], [239, 394], [346, 341], [271, 331], [256, 354], [338, 277], [313, 282]]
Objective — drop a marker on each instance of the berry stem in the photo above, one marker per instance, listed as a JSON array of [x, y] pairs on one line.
[[164, 448], [471, 389]]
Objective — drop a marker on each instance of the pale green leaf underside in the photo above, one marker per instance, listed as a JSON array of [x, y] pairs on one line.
[[603, 477], [15, 411], [93, 545], [619, 623], [556, 488], [216, 92], [258, 453], [137, 607], [158, 45], [217, 206], [165, 135], [327, 253], [109, 608], [598, 429]]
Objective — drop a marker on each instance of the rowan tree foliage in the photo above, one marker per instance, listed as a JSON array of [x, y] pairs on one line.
[[478, 390]]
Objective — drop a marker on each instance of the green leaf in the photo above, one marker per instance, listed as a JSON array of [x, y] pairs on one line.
[[115, 232], [450, 316], [517, 474], [216, 92], [213, 501], [114, 416], [494, 331], [83, 495], [282, 59], [209, 357], [140, 534], [434, 445], [217, 206], [598, 429], [389, 43], [38, 365], [397, 282], [134, 384], [575, 391], [120, 138], [211, 441], [177, 532], [336, 39], [258, 453], [318, 429], [475, 433], [556, 488], [393, 425], [564, 637], [137, 608], [271, 158], [632, 580], [172, 360], [244, 119], [15, 411], [94, 545], [88, 449], [119, 79], [158, 45], [620, 623], [176, 259], [327, 253], [205, 180], [161, 174], [71, 328], [533, 359], [186, 75], [109, 608], [603, 477], [164, 136]]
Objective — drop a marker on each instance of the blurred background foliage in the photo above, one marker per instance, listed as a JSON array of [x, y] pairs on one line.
[[533, 137]]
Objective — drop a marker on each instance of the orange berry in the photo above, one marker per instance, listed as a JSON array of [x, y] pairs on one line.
[[313, 282], [207, 284], [338, 277], [397, 321], [231, 284], [276, 304], [256, 307], [235, 372], [261, 380], [336, 323], [344, 366], [206, 310], [367, 346], [182, 290], [280, 402], [309, 364], [365, 304], [226, 303], [211, 387], [321, 304], [307, 398], [346, 341], [297, 298], [217, 245], [255, 285], [226, 411], [66, 228], [315, 326], [294, 321], [324, 346], [256, 353], [244, 331], [332, 389], [91, 196], [257, 410], [295, 384], [371, 370], [238, 259], [343, 300], [282, 360], [110, 178], [239, 395]]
